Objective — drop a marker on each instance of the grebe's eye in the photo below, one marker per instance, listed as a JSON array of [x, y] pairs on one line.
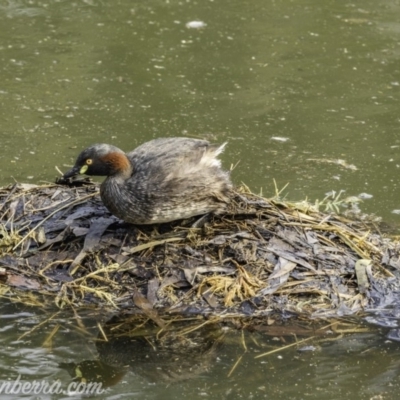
[[89, 161]]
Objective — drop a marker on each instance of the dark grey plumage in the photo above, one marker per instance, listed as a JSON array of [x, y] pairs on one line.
[[160, 181]]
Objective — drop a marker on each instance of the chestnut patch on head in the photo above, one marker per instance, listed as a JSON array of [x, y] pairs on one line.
[[116, 161]]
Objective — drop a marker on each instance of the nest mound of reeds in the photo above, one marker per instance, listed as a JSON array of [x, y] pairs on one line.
[[60, 243]]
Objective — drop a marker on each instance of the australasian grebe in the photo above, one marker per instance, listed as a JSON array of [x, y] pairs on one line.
[[160, 181]]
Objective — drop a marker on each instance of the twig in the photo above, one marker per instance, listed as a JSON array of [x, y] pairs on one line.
[[284, 347]]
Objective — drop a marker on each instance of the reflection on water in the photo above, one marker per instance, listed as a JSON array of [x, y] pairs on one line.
[[196, 359], [181, 351], [323, 75]]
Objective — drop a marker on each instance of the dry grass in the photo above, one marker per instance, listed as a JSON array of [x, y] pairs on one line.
[[264, 254]]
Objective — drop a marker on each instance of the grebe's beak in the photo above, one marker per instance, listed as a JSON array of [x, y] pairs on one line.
[[73, 172]]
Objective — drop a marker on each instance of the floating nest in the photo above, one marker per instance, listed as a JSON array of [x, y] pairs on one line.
[[60, 244]]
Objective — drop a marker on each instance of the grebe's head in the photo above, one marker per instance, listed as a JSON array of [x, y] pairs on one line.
[[100, 159]]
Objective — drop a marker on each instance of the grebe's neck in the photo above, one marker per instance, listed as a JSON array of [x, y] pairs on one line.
[[118, 165]]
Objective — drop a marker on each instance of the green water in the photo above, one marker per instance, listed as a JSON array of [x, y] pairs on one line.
[[323, 75]]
